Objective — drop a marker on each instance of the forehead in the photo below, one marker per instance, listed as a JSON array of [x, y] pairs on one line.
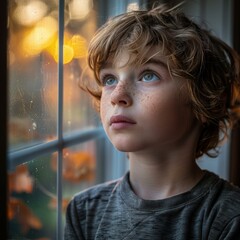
[[125, 58]]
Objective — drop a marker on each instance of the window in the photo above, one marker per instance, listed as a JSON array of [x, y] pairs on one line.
[[56, 146]]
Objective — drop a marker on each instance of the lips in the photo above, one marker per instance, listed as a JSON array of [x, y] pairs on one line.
[[121, 121]]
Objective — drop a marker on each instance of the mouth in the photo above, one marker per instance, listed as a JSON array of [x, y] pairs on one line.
[[121, 121]]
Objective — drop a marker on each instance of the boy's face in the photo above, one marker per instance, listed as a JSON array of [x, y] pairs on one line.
[[141, 107]]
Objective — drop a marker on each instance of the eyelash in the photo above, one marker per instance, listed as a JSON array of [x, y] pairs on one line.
[[105, 77], [149, 71]]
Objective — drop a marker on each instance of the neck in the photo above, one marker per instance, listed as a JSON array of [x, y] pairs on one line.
[[159, 177]]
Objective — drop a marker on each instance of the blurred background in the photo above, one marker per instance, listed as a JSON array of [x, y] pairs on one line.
[[54, 144]]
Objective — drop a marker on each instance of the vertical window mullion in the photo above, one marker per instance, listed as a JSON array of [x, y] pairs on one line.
[[60, 118]]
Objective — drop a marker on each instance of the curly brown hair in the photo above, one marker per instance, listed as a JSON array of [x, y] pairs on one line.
[[209, 67]]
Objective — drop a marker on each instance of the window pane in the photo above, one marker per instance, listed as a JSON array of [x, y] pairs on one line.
[[80, 24], [79, 169], [33, 27], [32, 200]]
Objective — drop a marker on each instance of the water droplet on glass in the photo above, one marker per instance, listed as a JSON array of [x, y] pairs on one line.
[[34, 126]]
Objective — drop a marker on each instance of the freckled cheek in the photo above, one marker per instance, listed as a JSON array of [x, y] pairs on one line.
[[101, 111], [153, 104], [144, 100], [104, 106], [165, 111]]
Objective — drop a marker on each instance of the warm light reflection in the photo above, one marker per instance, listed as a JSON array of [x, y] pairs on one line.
[[68, 51], [79, 9], [40, 37], [74, 47], [79, 45], [68, 54], [29, 12]]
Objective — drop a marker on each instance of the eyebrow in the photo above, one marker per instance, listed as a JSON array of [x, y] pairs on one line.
[[156, 61], [145, 61]]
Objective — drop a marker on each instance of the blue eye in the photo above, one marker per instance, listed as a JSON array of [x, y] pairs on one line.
[[149, 77], [109, 81]]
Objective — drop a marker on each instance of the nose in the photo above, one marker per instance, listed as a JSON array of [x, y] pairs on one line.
[[122, 95]]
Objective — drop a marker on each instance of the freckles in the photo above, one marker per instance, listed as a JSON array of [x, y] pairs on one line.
[[133, 93], [148, 103], [144, 97], [103, 108]]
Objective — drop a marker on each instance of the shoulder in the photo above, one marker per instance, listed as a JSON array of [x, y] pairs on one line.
[[223, 195], [85, 210], [223, 209], [91, 201], [228, 195], [229, 200], [228, 213]]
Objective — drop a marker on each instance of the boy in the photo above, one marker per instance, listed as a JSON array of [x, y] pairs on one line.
[[166, 95]]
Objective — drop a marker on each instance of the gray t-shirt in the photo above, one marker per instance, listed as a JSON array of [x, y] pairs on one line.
[[210, 210]]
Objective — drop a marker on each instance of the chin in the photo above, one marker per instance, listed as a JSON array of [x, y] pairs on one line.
[[124, 147], [126, 143]]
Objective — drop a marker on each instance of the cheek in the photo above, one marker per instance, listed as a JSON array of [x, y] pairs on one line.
[[156, 104], [103, 108], [168, 113]]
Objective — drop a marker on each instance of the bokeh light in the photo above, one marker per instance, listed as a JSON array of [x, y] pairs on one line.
[[79, 45], [40, 37], [30, 12]]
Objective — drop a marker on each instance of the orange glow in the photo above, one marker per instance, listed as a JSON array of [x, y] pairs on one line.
[[68, 51], [23, 214], [68, 54], [40, 37], [20, 180], [79, 45], [77, 166]]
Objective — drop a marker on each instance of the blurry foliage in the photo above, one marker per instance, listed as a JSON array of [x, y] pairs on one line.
[[77, 166], [32, 196]]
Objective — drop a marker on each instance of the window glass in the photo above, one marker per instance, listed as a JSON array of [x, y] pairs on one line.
[[33, 69], [33, 28], [79, 169], [80, 25], [33, 199]]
